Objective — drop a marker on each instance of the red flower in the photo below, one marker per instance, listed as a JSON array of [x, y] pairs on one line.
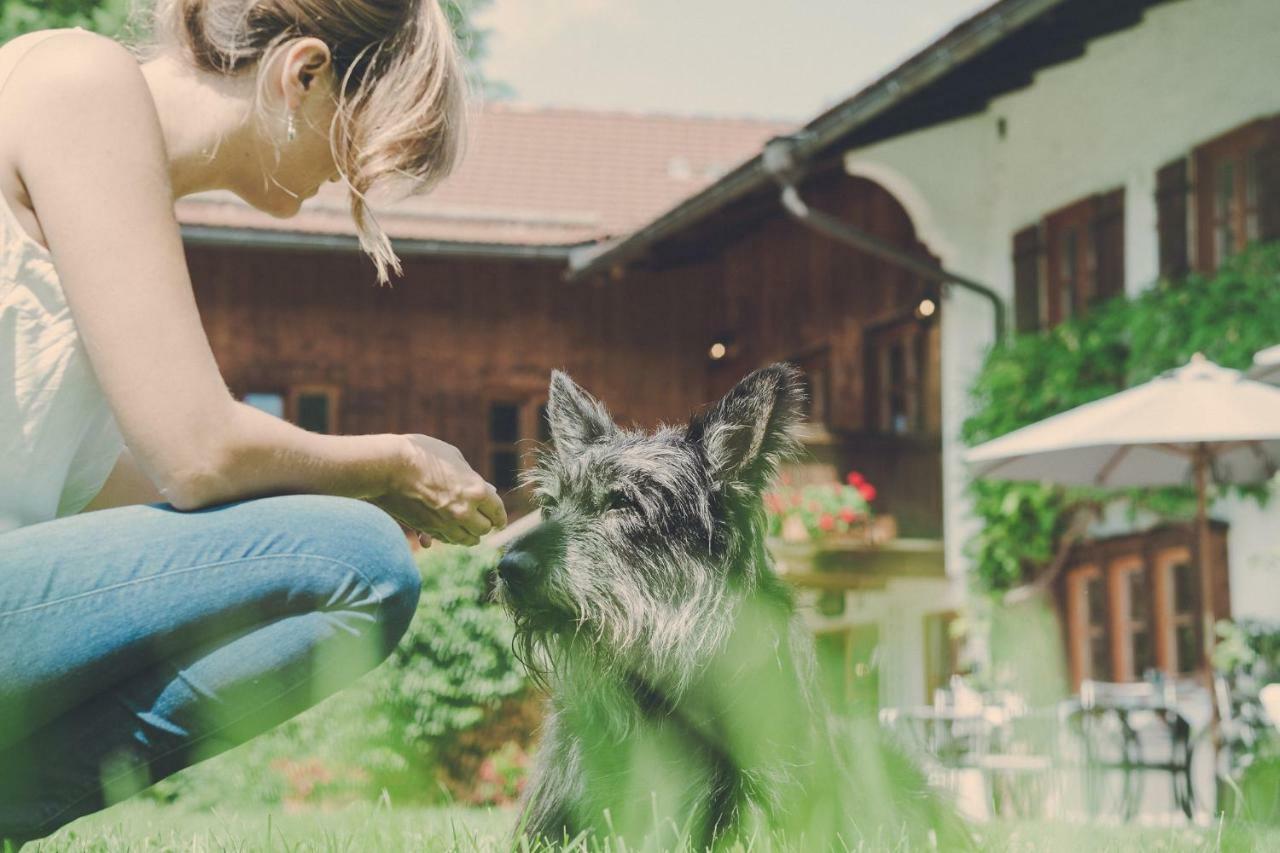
[[868, 492], [853, 478], [848, 515], [826, 521]]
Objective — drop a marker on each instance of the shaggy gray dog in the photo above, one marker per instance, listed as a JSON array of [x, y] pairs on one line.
[[684, 702]]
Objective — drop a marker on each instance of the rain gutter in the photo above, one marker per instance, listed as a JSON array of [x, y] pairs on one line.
[[203, 235], [780, 161]]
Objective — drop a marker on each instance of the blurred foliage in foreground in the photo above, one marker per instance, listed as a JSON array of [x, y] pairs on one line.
[[138, 826], [448, 716], [1248, 656], [1228, 317]]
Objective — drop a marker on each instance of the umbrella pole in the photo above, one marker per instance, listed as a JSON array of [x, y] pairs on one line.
[[1206, 584]]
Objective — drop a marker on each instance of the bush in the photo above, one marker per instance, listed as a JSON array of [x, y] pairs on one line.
[[418, 727], [1228, 316], [1248, 655]]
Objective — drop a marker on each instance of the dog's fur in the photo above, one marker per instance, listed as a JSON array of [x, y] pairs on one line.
[[683, 689]]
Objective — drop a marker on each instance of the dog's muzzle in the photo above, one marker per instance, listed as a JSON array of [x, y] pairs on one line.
[[528, 558], [517, 568]]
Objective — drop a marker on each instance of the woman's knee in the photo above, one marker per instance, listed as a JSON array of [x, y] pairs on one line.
[[358, 534]]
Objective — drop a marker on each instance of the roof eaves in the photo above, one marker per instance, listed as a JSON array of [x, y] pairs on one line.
[[964, 41], [203, 235]]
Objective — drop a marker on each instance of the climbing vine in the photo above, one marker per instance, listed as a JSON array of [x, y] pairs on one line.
[[1228, 316]]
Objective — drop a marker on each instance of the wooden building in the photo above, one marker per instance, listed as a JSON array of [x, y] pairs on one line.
[[461, 347]]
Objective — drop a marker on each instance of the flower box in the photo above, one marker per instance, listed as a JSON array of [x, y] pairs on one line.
[[828, 514]]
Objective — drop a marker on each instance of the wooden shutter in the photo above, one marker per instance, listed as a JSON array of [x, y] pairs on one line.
[[1173, 185], [1108, 245], [1028, 249], [1268, 184]]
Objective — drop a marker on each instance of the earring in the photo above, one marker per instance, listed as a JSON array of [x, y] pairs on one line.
[[291, 129]]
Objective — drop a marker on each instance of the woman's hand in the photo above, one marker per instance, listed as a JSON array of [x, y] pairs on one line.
[[433, 490]]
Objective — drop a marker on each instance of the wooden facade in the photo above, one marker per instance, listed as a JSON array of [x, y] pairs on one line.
[[461, 348]]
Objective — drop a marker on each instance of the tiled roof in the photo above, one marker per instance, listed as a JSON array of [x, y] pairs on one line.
[[536, 177]]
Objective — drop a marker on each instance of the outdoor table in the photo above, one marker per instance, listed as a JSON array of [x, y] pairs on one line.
[[947, 736]]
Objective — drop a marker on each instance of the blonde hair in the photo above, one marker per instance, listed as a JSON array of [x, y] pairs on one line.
[[402, 92]]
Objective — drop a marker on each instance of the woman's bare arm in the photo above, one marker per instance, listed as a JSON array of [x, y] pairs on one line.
[[91, 155]]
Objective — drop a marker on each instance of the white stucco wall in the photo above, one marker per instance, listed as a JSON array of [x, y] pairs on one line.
[[1138, 98], [898, 612]]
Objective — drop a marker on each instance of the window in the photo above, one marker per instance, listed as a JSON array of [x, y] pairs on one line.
[[1233, 178], [313, 412], [941, 651], [504, 455], [1071, 262], [1132, 604], [544, 425], [314, 408], [271, 403], [815, 376], [848, 668], [1087, 604], [898, 357], [1071, 259], [1173, 187], [1133, 630], [1179, 589]]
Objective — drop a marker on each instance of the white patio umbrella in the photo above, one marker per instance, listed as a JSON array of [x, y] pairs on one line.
[[1185, 426], [1266, 366]]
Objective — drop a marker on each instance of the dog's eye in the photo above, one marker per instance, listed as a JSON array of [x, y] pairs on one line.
[[619, 501]]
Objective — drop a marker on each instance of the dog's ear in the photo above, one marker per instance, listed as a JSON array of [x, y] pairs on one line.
[[577, 419], [749, 432]]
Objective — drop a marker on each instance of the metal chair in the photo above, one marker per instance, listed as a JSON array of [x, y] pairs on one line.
[[1133, 729]]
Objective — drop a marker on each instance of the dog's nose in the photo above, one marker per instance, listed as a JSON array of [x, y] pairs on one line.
[[517, 567]]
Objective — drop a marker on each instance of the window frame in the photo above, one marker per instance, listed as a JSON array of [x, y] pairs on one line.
[[332, 392], [914, 335], [938, 671], [1240, 149], [815, 364], [1155, 553], [1123, 665], [1165, 561], [494, 446], [1076, 219], [1096, 263], [1081, 628]]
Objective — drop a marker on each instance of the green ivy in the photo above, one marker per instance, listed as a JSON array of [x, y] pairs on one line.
[[1228, 316]]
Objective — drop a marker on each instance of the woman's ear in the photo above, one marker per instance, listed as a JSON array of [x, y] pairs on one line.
[[305, 60]]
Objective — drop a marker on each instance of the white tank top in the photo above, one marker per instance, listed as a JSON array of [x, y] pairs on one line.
[[58, 437]]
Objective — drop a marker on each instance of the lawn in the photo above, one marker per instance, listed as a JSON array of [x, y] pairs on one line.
[[144, 826], [147, 827]]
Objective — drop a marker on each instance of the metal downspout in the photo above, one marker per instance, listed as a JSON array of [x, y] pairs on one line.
[[778, 161]]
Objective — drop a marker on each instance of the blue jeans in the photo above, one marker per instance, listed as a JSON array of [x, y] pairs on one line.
[[139, 640]]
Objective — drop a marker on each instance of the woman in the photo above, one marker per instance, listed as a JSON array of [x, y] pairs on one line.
[[179, 571]]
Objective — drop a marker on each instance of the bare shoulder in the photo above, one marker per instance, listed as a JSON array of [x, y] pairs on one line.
[[75, 78]]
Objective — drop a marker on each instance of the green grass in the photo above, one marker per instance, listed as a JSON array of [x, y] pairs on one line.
[[143, 826]]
